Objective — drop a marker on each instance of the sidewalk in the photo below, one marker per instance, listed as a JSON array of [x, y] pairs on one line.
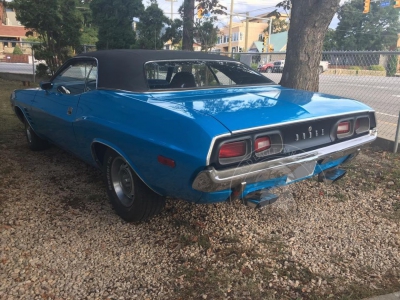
[[394, 296]]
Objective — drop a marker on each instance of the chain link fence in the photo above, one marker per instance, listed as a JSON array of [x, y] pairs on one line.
[[19, 58], [370, 77]]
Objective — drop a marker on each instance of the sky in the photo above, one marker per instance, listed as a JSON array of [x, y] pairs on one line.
[[254, 7]]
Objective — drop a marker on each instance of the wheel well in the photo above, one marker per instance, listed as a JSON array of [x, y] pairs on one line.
[[19, 114], [98, 150]]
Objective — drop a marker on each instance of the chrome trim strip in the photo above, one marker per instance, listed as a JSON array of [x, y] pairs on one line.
[[212, 146], [299, 121], [98, 163], [212, 180]]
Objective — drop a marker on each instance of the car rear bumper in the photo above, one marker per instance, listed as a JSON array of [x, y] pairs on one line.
[[212, 180]]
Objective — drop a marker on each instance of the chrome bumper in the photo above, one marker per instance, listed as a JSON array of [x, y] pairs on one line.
[[212, 180]]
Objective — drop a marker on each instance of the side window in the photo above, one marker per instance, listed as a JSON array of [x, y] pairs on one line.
[[77, 78]]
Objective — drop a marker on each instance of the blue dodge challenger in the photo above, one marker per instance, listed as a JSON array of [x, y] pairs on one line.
[[194, 126]]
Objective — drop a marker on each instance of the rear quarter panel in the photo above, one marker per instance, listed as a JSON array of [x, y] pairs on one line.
[[141, 128]]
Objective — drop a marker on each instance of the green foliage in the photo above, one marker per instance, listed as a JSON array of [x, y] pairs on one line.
[[58, 24], [330, 40], [377, 68], [151, 22], [42, 71], [89, 36], [391, 65], [211, 7], [376, 30], [205, 33], [278, 25], [114, 20], [174, 32], [17, 50], [355, 68]]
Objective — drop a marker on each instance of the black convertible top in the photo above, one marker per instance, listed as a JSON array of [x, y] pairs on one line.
[[124, 69]]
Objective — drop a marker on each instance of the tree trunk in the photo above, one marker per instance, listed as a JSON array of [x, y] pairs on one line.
[[188, 17], [309, 22]]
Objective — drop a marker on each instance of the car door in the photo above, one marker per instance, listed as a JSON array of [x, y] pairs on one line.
[[54, 109]]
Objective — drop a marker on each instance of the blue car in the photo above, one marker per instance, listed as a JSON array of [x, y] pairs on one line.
[[195, 126]]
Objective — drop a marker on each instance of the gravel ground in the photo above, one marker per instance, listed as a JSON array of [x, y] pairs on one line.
[[60, 238]]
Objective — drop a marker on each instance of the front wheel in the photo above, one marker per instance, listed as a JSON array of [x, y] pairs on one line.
[[131, 198], [35, 143], [269, 70]]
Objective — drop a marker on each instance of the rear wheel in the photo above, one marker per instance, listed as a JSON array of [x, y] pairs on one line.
[[269, 70], [131, 198], [35, 143]]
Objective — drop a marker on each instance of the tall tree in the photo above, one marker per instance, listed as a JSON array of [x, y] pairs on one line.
[[206, 33], [278, 25], [114, 18], [209, 7], [376, 30], [149, 27], [89, 31], [58, 24], [174, 32], [305, 39], [330, 40]]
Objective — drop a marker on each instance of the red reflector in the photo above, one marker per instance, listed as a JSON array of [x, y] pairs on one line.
[[357, 124], [343, 127], [262, 143], [166, 161], [234, 149]]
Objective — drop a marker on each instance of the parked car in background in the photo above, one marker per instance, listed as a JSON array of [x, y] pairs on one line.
[[190, 125], [278, 66], [266, 68]]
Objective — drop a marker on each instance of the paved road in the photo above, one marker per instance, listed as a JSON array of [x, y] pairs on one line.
[[18, 68], [381, 93]]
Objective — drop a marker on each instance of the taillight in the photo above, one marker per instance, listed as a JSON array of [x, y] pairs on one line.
[[262, 144], [234, 149], [343, 127]]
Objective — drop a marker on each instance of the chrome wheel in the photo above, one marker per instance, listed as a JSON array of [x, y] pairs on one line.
[[122, 181], [28, 134]]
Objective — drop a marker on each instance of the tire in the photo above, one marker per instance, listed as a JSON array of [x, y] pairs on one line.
[[269, 70], [35, 143], [320, 70], [131, 198]]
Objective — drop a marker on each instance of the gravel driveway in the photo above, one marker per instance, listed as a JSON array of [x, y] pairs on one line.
[[60, 238]]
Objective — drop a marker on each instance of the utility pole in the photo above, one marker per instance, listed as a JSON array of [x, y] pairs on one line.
[[246, 39], [230, 29], [172, 8]]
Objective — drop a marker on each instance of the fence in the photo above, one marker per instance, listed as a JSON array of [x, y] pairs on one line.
[[369, 77]]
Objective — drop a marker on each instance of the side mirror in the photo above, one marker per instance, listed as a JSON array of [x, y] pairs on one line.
[[46, 85]]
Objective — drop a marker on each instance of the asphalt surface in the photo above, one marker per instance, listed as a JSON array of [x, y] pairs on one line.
[[381, 93]]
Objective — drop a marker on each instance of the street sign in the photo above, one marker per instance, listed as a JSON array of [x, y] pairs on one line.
[[384, 3]]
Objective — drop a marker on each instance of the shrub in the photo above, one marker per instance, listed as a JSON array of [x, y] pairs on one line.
[[355, 68], [17, 50], [377, 68], [254, 66], [391, 65], [42, 71]]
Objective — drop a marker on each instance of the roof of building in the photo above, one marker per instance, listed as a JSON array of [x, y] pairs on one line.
[[12, 31], [277, 40]]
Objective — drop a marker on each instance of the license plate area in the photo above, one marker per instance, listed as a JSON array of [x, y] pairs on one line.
[[304, 170]]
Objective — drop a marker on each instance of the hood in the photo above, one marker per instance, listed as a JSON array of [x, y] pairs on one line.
[[242, 108]]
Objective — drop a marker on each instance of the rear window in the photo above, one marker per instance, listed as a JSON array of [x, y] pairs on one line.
[[200, 73]]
